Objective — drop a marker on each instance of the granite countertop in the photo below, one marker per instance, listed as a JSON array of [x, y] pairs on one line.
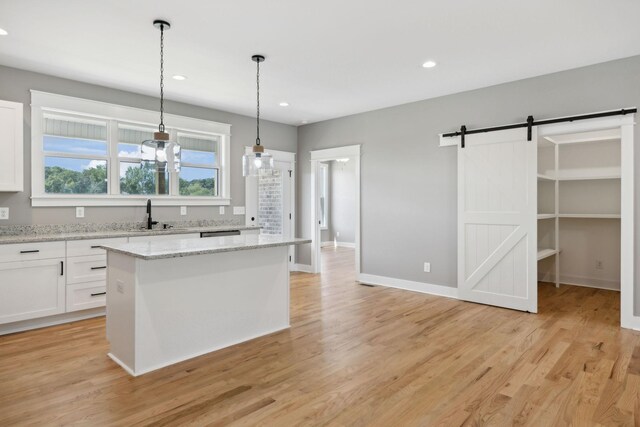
[[105, 234], [187, 247]]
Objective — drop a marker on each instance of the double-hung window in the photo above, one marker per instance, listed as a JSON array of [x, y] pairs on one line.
[[76, 155], [88, 153]]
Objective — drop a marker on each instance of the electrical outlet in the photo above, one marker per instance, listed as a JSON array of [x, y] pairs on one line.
[[599, 265], [183, 210], [79, 212], [337, 234], [221, 210], [4, 213], [238, 210], [427, 267]]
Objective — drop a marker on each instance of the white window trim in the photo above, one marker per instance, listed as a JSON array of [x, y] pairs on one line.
[[42, 102]]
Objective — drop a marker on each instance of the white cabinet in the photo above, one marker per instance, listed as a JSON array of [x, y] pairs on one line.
[[31, 289], [86, 295], [11, 143]]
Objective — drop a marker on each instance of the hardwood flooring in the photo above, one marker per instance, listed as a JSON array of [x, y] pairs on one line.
[[354, 356]]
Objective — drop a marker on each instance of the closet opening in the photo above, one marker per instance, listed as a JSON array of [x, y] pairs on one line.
[[579, 195]]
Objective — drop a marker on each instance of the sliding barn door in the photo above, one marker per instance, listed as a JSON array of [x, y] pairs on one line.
[[497, 214]]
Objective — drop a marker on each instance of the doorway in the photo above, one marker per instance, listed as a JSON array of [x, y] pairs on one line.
[[346, 161], [270, 199]]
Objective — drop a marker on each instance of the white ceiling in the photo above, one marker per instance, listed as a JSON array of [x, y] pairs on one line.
[[327, 58]]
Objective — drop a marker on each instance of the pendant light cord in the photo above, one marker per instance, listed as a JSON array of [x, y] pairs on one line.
[[161, 127], [258, 102]]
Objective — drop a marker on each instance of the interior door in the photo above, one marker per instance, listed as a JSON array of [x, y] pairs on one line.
[[268, 201], [497, 219]]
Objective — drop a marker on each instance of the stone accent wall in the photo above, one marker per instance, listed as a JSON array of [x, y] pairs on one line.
[[270, 203]]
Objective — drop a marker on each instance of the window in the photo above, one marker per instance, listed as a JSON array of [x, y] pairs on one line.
[[88, 153], [324, 196], [75, 156]]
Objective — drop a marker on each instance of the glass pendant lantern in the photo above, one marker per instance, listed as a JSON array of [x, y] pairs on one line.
[[258, 162], [160, 151]]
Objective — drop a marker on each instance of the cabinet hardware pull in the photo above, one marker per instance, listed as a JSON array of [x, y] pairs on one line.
[[95, 246], [62, 268], [99, 268], [33, 251], [97, 294]]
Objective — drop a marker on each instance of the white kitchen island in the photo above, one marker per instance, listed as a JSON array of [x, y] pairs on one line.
[[169, 301]]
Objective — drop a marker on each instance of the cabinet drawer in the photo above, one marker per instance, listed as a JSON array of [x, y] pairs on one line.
[[31, 251], [86, 295], [157, 238], [86, 269], [90, 246]]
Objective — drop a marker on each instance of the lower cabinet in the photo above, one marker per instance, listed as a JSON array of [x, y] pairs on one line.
[[86, 295], [31, 289]]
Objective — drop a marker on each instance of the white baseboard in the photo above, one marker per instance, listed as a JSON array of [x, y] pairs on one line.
[[339, 244], [57, 319], [586, 282], [304, 268], [425, 288]]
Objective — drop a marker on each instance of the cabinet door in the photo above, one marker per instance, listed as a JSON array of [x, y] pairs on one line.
[[31, 289], [11, 163]]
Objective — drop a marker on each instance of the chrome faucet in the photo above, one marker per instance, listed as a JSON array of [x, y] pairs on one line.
[[150, 222]]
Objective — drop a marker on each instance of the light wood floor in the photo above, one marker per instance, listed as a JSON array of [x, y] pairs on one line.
[[354, 356]]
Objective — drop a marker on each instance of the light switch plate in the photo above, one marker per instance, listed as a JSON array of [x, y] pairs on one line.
[[183, 210], [221, 210], [79, 212], [238, 210], [427, 267], [4, 213]]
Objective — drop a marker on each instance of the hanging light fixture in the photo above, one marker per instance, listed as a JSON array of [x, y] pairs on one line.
[[257, 162], [160, 150]]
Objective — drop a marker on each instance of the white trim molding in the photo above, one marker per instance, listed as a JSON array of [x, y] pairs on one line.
[[303, 268], [409, 285], [111, 115]]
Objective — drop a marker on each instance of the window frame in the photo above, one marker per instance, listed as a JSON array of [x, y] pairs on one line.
[[47, 103]]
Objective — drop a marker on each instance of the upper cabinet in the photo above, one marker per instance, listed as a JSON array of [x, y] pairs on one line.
[[11, 142]]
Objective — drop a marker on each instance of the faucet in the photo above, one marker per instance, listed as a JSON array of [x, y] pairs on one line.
[[150, 222]]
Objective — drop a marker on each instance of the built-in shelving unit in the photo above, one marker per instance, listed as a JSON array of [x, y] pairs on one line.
[[578, 179]]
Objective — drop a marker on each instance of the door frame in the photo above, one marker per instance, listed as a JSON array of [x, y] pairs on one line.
[[627, 210], [353, 153], [278, 156]]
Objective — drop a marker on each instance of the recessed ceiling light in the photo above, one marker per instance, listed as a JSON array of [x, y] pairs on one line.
[[304, 122], [284, 104], [3, 32], [429, 64], [179, 77]]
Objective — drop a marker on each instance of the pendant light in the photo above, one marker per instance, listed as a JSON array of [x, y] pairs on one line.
[[257, 162], [160, 150]]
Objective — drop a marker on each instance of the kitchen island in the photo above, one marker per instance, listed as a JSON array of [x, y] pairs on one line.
[[169, 301]]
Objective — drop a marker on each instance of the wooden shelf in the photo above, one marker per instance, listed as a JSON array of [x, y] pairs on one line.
[[546, 253], [546, 216], [601, 216], [542, 177]]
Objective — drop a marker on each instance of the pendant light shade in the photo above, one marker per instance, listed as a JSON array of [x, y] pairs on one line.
[[165, 154], [257, 162]]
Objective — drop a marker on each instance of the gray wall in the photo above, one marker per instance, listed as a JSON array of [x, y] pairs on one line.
[[408, 183], [15, 85], [342, 205]]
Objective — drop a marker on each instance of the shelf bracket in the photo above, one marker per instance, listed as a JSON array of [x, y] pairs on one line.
[[529, 127], [463, 131]]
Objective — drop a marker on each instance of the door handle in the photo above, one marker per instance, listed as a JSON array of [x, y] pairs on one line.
[[99, 268], [62, 268], [33, 251], [97, 294], [95, 246]]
